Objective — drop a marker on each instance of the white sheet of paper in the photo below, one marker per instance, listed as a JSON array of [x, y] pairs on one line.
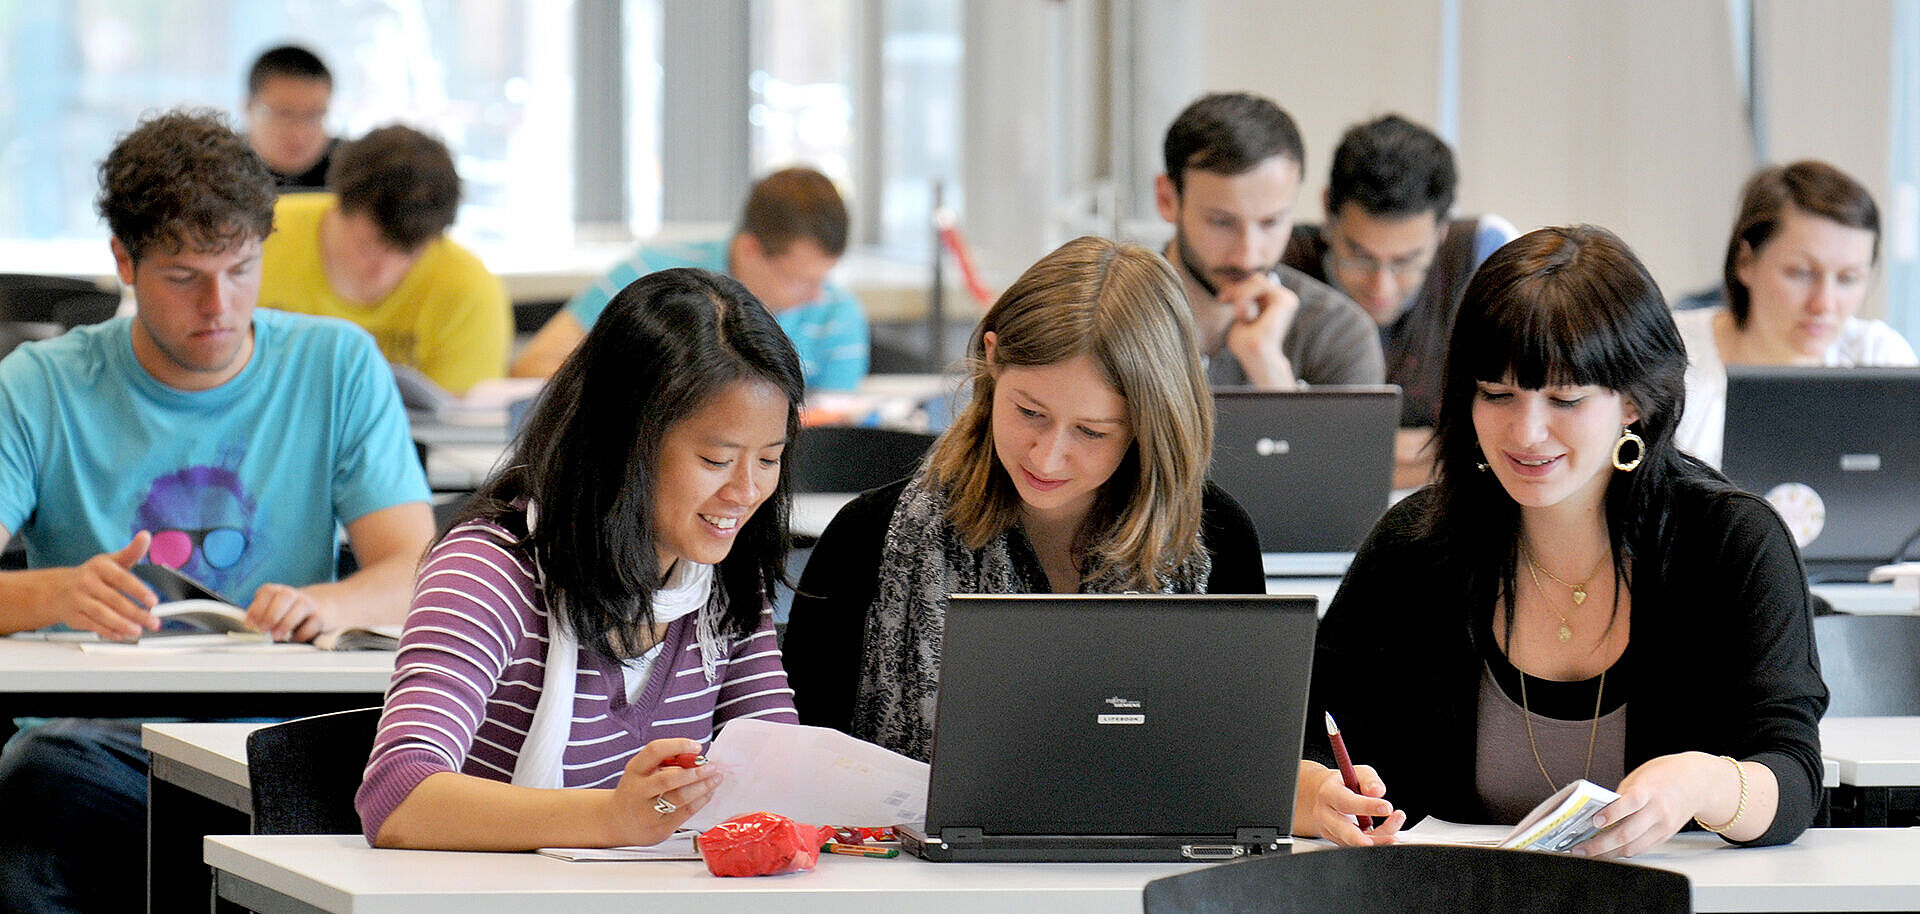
[[1439, 831], [677, 847], [813, 775]]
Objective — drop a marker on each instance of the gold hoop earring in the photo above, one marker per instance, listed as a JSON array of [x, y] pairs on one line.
[[1639, 450]]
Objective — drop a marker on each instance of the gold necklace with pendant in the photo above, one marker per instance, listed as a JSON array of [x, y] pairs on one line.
[[1579, 590]]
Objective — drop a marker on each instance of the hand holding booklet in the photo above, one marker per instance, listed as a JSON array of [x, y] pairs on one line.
[[1562, 820], [195, 617], [1558, 824]]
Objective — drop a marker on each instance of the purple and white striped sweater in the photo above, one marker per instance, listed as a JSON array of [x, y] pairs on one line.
[[473, 659]]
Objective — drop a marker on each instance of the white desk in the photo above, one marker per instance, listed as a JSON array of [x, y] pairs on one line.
[[1827, 870], [1873, 751], [55, 679], [209, 759], [1878, 766], [1869, 599]]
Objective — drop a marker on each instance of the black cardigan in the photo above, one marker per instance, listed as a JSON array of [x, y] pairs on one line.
[[822, 647], [1722, 659]]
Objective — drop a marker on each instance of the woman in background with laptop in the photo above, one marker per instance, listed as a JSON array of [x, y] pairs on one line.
[[1798, 267], [599, 607], [1078, 466], [1572, 597]]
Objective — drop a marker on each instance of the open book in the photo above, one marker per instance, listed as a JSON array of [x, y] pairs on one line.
[[188, 607], [193, 615]]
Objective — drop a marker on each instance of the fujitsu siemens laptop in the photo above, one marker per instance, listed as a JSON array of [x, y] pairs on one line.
[[1837, 452], [1314, 467], [1127, 727]]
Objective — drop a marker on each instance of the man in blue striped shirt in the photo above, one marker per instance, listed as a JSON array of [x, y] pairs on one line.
[[792, 232]]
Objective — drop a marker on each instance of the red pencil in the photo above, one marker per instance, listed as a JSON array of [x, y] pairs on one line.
[[688, 760], [1346, 766]]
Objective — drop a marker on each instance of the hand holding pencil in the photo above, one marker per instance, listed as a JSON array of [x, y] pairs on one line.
[[1344, 803]]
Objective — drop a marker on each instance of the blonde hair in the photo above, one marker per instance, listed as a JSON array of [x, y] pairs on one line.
[[1122, 306]]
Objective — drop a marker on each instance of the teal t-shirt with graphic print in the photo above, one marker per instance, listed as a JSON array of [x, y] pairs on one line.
[[241, 485]]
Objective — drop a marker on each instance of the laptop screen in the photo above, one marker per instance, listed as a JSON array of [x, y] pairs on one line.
[[1133, 715], [1314, 467], [1837, 452]]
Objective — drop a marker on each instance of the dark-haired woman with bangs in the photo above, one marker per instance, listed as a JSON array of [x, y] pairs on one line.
[[600, 606], [1572, 597]]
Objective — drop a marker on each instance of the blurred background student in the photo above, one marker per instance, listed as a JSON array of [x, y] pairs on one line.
[[1078, 466], [793, 229], [1798, 266], [1574, 596], [289, 90]]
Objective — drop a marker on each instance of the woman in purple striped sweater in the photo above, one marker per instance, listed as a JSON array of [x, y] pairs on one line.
[[587, 617]]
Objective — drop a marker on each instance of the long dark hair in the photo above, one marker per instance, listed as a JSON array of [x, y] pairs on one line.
[[1560, 306], [587, 456]]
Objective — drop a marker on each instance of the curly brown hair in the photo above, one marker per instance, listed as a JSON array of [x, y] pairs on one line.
[[182, 179]]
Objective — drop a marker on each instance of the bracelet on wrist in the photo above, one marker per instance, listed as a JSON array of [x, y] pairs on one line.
[[1739, 811]]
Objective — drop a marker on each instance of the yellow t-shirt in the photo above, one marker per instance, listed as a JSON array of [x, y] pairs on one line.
[[449, 317]]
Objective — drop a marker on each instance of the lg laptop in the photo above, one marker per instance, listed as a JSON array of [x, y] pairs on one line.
[[1837, 452], [1314, 467], [1130, 727]]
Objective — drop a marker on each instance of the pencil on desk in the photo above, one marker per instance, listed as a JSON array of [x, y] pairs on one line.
[[861, 850]]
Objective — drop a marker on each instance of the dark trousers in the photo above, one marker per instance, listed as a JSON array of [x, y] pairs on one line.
[[73, 818]]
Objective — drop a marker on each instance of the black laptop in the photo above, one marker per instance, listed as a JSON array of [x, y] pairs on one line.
[[1314, 467], [1136, 727], [1837, 452]]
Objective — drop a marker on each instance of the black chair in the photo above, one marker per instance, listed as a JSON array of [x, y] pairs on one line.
[[303, 773], [852, 458], [1871, 664], [1421, 879], [34, 307]]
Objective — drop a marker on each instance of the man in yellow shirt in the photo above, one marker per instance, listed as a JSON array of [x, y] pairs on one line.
[[375, 251]]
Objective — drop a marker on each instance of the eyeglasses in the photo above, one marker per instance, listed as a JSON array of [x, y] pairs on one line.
[[220, 547], [1406, 267], [289, 118]]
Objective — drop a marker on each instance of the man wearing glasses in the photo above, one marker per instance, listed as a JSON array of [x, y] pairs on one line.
[[1233, 164], [1389, 243], [288, 91]]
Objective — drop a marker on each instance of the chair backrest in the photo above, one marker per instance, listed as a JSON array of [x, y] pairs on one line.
[[1421, 879], [34, 307], [303, 773], [852, 458], [1871, 664]]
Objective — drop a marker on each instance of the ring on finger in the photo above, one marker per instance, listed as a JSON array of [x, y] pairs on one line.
[[664, 806]]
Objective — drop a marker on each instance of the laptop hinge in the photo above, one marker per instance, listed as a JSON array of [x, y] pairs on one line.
[[951, 835], [1258, 837]]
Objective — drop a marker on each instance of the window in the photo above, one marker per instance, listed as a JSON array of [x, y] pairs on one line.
[[491, 77]]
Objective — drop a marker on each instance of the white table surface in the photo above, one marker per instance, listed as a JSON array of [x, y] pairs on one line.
[[1874, 752], [1826, 870], [216, 749], [30, 666], [1869, 599]]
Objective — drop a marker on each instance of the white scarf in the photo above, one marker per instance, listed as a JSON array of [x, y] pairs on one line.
[[688, 589]]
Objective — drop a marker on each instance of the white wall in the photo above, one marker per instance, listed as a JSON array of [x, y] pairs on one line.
[[1625, 113]]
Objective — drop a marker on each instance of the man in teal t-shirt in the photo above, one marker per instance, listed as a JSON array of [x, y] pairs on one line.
[[792, 232], [197, 434]]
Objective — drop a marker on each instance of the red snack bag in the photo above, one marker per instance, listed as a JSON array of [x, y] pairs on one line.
[[761, 844]]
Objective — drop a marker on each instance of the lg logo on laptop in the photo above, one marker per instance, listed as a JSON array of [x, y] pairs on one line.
[[1268, 447]]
